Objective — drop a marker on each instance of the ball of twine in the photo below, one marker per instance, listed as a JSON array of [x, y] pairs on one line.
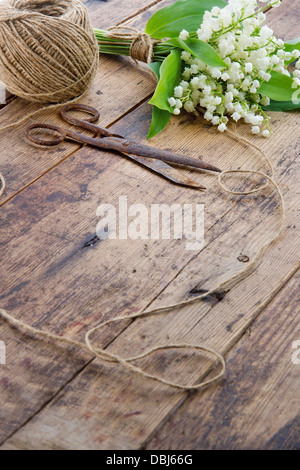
[[48, 52]]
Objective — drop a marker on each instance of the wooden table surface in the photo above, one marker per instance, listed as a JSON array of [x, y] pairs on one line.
[[56, 397]]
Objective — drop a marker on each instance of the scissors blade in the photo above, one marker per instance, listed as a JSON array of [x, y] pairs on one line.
[[165, 170], [137, 149]]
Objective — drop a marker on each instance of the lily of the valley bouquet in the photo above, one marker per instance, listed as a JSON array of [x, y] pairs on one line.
[[217, 58]]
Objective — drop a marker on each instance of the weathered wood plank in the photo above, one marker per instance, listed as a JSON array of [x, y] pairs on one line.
[[220, 326], [21, 169], [116, 78], [40, 224], [106, 13], [257, 406], [118, 87], [97, 281]]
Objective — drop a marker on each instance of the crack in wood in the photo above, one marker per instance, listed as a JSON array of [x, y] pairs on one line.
[[195, 291], [214, 297]]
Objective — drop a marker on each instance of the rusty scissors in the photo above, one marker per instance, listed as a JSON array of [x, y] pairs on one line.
[[153, 158]]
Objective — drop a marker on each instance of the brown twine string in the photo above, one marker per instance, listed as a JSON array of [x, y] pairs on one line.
[[37, 111], [100, 353], [141, 43], [141, 49], [110, 357], [48, 52]]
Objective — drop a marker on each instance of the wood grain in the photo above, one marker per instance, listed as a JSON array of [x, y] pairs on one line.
[[257, 406], [56, 279], [108, 13], [119, 86], [22, 164], [217, 326]]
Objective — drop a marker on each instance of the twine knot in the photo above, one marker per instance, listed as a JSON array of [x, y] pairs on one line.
[[142, 48], [142, 44]]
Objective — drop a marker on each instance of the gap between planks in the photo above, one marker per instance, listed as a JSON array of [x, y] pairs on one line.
[[142, 10], [231, 346], [185, 396], [13, 98], [217, 398], [51, 399]]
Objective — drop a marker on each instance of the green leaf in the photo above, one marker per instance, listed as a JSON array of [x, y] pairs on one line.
[[291, 45], [278, 88], [169, 77], [199, 49], [282, 106], [160, 118], [155, 67], [183, 14]]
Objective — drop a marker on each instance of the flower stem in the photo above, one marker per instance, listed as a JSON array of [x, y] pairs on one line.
[[122, 46]]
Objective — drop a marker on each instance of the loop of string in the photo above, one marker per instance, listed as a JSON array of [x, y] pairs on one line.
[[105, 355], [110, 357], [141, 48]]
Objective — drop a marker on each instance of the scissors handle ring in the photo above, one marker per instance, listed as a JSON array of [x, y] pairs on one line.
[[39, 140], [94, 114]]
